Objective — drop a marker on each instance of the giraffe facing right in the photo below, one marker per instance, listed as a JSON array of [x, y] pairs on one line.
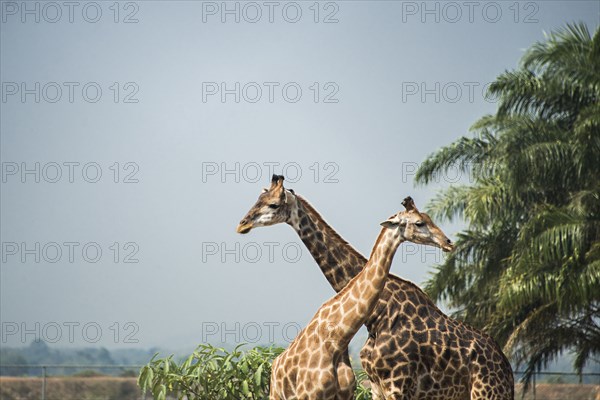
[[414, 351], [308, 368]]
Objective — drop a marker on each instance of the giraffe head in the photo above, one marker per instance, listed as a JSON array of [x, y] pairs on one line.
[[274, 206], [417, 227]]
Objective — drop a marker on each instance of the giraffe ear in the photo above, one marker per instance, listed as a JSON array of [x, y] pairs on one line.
[[388, 224], [287, 194], [265, 190]]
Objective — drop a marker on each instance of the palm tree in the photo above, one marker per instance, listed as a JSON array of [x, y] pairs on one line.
[[527, 269]]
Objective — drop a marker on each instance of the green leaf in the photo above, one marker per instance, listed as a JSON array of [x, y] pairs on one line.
[[258, 375], [162, 393], [245, 388]]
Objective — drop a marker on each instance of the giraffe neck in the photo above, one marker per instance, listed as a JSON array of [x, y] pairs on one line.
[[338, 260], [360, 296]]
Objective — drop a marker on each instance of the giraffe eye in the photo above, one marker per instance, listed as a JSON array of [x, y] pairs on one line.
[[274, 206], [420, 223]]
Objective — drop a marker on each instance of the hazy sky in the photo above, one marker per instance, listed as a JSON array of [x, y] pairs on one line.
[[135, 136]]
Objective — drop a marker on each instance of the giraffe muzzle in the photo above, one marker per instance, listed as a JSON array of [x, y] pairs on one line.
[[244, 227], [448, 246]]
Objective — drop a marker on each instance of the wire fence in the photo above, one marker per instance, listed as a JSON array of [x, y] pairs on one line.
[[118, 382], [559, 386], [65, 382]]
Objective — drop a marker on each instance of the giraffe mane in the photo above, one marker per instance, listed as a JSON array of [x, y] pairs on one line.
[[336, 236]]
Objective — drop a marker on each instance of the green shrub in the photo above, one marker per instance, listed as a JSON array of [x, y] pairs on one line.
[[212, 373], [362, 392]]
